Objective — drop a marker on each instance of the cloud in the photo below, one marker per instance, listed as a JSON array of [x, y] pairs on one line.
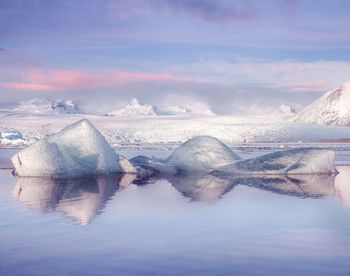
[[286, 75], [41, 80], [217, 11]]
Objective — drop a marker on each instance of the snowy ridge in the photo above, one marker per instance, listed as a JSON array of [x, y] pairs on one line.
[[44, 106], [134, 108], [169, 130], [190, 109], [331, 109]]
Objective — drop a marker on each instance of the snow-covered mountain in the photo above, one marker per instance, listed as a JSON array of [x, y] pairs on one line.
[[286, 109], [333, 108], [135, 108], [44, 106], [190, 109]]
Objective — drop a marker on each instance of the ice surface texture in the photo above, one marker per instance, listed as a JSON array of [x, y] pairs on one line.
[[288, 162], [202, 153], [78, 150]]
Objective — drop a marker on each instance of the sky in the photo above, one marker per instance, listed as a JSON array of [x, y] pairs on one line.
[[237, 56]]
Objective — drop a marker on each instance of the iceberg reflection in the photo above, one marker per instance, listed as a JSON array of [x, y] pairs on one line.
[[80, 199], [201, 187], [306, 186]]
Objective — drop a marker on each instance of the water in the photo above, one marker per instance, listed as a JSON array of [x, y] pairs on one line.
[[176, 226]]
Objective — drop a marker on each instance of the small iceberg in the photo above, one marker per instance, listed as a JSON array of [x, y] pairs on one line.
[[202, 154], [12, 138], [288, 162], [78, 150]]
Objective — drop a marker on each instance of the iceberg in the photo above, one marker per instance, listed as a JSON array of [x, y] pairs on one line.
[[152, 166], [12, 138], [78, 150], [202, 154], [294, 161]]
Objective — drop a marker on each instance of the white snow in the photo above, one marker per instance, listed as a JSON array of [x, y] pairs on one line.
[[288, 162], [202, 154], [173, 130], [78, 150], [45, 106], [133, 109], [333, 108], [195, 108]]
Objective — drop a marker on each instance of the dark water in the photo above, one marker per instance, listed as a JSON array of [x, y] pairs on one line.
[[177, 226]]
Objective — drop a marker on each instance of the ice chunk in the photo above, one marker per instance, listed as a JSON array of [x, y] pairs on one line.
[[202, 154], [152, 166], [294, 161], [12, 138], [78, 150]]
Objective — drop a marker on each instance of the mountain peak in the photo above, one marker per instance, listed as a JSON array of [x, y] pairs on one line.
[[134, 108], [345, 86], [330, 109]]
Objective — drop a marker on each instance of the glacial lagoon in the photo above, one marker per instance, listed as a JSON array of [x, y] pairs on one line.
[[120, 225]]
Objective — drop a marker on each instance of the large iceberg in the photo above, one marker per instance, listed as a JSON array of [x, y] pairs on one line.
[[294, 161], [202, 154], [78, 150]]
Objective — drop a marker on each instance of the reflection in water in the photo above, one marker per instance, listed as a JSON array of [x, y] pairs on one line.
[[313, 186], [84, 199], [201, 188], [80, 199], [39, 194], [342, 185]]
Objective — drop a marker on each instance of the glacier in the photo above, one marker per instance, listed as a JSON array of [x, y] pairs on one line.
[[45, 106], [78, 150]]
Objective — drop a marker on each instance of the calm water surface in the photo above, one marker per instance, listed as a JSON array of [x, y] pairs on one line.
[[176, 226]]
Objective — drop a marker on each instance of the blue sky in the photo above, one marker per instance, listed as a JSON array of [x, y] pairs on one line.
[[231, 54]]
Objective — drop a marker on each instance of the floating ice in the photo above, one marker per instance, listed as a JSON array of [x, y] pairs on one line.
[[202, 154], [152, 166], [12, 138], [78, 150], [294, 161]]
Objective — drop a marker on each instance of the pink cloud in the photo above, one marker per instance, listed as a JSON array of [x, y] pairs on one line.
[[40, 80]]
